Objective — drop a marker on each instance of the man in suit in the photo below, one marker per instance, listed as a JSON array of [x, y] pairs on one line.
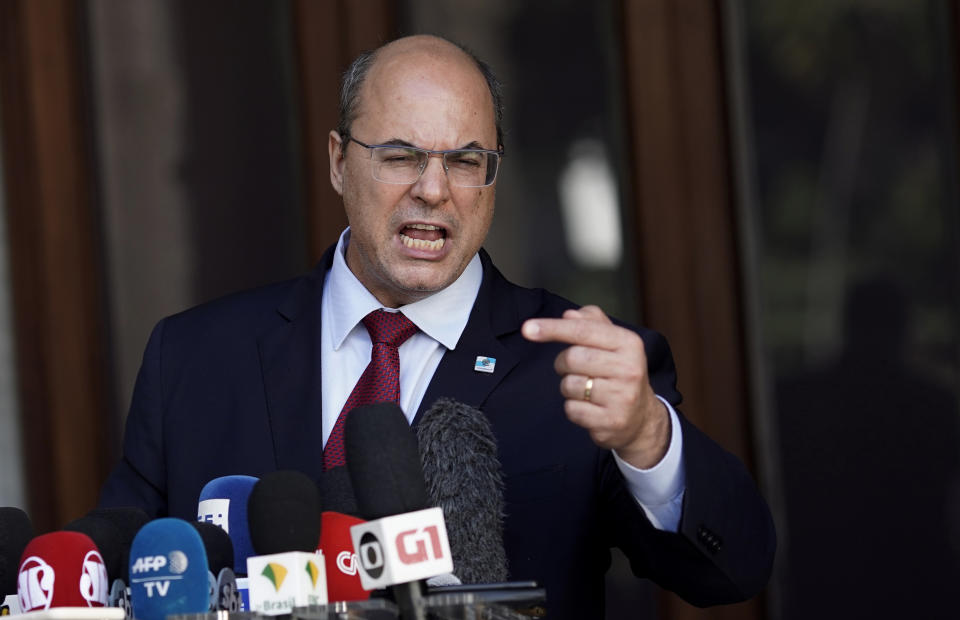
[[594, 458]]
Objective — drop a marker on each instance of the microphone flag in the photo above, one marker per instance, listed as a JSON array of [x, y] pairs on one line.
[[223, 502], [278, 582], [168, 570], [342, 564], [62, 569], [402, 548], [285, 522]]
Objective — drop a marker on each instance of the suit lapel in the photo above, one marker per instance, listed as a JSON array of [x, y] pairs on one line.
[[494, 315], [290, 361]]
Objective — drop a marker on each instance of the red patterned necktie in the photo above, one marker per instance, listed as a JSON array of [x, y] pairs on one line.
[[380, 381]]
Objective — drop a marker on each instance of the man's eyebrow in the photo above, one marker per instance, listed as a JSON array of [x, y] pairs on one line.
[[398, 142]]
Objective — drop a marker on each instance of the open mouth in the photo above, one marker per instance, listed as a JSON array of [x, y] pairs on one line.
[[423, 237]]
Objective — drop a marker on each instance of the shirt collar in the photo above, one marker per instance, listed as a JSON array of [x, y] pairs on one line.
[[442, 316]]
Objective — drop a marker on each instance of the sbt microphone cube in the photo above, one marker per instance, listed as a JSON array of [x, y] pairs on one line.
[[402, 548], [281, 581]]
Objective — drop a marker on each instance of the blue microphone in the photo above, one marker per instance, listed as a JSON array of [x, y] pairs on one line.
[[168, 570], [223, 502]]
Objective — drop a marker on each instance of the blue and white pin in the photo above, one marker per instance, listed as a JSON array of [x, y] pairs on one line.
[[485, 364]]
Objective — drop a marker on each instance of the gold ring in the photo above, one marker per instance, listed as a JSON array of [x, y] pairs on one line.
[[588, 389]]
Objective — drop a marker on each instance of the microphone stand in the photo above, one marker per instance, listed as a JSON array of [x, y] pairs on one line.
[[409, 598]]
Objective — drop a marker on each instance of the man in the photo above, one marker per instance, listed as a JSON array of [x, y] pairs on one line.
[[238, 385]]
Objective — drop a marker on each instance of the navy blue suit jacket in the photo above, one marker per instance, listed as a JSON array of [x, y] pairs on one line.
[[233, 387]]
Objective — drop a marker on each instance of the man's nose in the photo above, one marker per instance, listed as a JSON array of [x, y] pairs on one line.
[[433, 186]]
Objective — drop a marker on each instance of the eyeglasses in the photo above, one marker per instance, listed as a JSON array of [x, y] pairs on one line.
[[403, 165]]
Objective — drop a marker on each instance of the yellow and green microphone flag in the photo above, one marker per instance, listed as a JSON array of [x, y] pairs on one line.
[[276, 573], [314, 573]]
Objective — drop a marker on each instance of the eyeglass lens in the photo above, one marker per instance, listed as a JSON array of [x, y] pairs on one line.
[[466, 168]]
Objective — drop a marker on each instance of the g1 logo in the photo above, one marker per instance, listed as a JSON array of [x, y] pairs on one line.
[[412, 545]]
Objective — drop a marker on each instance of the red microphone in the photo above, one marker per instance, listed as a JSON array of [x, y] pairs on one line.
[[62, 569], [343, 570]]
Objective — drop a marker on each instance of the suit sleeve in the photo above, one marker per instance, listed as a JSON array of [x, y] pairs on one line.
[[139, 479], [723, 552]]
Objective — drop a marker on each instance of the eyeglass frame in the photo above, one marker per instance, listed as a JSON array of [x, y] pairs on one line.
[[430, 153]]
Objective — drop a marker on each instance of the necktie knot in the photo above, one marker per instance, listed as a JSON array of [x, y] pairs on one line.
[[389, 328]]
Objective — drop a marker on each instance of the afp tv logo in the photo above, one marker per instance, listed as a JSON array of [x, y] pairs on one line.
[[155, 579]]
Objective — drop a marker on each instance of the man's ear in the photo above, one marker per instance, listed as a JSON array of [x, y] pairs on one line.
[[335, 148]]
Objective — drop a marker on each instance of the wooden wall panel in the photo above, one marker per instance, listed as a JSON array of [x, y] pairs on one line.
[[329, 36], [55, 266], [684, 209]]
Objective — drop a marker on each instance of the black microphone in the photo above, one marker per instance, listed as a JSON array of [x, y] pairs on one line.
[[465, 478], [126, 522], [284, 516], [383, 462], [224, 595], [336, 492], [404, 541], [109, 541], [15, 532], [106, 537], [284, 513]]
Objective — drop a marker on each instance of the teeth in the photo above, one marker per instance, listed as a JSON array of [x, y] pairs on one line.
[[424, 227], [420, 244]]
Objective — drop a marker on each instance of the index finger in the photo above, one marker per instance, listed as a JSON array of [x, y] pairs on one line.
[[586, 332]]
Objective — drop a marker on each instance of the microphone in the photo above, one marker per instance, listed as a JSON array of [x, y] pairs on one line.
[[339, 515], [404, 541], [15, 532], [224, 595], [105, 536], [168, 570], [127, 521], [337, 491], [288, 570], [464, 477], [223, 502], [343, 575], [61, 569]]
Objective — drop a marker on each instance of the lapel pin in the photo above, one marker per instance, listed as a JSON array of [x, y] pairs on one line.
[[485, 364]]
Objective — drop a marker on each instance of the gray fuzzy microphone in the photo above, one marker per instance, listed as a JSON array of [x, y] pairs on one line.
[[464, 478]]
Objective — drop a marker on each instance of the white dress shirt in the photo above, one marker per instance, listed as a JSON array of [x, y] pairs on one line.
[[441, 319]]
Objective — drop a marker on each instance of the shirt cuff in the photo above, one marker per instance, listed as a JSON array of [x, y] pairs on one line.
[[659, 489]]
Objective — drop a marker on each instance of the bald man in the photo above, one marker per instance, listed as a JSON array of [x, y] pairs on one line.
[[594, 453]]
